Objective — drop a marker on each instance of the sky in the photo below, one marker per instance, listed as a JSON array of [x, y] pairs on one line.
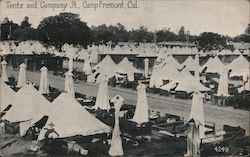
[[227, 17]]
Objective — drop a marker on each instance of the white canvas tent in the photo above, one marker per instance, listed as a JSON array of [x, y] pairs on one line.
[[126, 67], [213, 65], [107, 62], [71, 119], [44, 85], [142, 110], [189, 83], [190, 64], [21, 80], [167, 70], [244, 67], [106, 68], [7, 96], [4, 74], [29, 105]]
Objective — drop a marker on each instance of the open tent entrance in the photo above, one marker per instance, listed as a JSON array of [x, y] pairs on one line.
[[5, 110], [41, 123]]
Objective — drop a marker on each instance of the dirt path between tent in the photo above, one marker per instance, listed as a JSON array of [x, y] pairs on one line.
[[219, 115]]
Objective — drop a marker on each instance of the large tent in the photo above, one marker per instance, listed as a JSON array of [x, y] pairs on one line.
[[189, 83], [126, 67], [71, 119], [213, 65], [29, 105], [167, 70], [106, 68], [7, 96], [106, 63], [244, 66], [190, 64]]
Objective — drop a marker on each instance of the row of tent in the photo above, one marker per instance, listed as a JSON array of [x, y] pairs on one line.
[[69, 118], [108, 68], [215, 65], [67, 115], [36, 48], [91, 52], [179, 76]]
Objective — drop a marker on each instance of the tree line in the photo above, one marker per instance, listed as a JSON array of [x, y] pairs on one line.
[[68, 28]]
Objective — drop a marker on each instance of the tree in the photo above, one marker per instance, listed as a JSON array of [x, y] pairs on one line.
[[141, 35], [209, 41], [25, 31], [64, 28], [25, 23], [165, 35], [101, 34], [7, 29], [244, 37]]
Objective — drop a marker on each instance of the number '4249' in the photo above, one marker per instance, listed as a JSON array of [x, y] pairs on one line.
[[221, 149]]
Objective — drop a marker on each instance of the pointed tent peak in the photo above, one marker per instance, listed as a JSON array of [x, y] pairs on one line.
[[125, 60], [4, 62], [77, 118], [108, 59], [22, 65], [171, 60], [27, 88], [188, 61], [44, 68], [64, 96], [117, 97], [107, 62]]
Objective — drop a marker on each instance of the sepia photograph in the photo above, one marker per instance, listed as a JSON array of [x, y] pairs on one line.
[[108, 78]]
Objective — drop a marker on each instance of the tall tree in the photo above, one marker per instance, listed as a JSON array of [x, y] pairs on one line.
[[64, 28], [25, 23], [209, 41]]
